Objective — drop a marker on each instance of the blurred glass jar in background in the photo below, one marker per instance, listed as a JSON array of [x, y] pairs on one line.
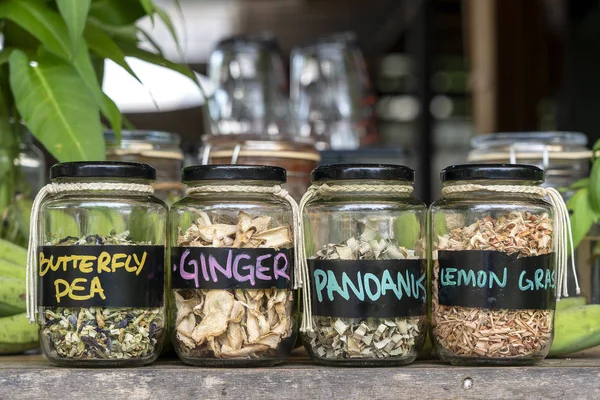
[[331, 95], [565, 159], [563, 156], [161, 150], [33, 164], [297, 158], [251, 87]]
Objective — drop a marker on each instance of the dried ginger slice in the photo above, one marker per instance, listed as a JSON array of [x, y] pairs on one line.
[[216, 231], [187, 325], [237, 312], [217, 308], [270, 339], [248, 351], [276, 237], [261, 223], [244, 229], [236, 336]]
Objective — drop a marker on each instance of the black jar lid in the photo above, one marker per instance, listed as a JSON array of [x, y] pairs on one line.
[[233, 172], [383, 172], [102, 169], [508, 172]]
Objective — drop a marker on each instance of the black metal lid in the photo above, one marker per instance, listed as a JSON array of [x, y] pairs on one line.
[[233, 172], [509, 172], [102, 169], [385, 172]]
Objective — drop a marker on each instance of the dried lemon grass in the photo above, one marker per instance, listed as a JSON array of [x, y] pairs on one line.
[[499, 333]]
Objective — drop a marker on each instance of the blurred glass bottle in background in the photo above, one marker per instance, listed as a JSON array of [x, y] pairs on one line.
[[331, 95], [161, 150], [251, 96]]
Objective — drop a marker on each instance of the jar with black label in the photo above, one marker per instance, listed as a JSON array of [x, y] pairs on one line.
[[232, 267], [96, 265], [496, 273], [364, 273]]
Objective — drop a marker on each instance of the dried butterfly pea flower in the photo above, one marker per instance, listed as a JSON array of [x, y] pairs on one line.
[[99, 332]]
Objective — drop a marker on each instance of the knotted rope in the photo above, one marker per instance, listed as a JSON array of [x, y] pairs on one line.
[[563, 237], [277, 191], [324, 189]]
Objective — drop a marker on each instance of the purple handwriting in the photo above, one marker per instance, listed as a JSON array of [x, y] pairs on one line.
[[241, 268]]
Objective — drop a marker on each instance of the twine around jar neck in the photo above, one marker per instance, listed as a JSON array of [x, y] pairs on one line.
[[277, 191], [57, 188], [324, 189], [563, 235]]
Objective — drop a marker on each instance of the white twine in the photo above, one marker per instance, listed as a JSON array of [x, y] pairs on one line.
[[563, 236], [56, 188], [277, 191], [324, 189]]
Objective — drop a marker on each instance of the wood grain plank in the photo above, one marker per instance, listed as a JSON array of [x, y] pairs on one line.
[[32, 377]]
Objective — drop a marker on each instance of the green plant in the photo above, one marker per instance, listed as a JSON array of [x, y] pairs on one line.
[[51, 69], [585, 202]]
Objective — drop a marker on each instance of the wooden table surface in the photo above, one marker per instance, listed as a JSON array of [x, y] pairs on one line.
[[32, 377]]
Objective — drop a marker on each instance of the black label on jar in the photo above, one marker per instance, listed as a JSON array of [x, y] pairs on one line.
[[367, 288], [496, 280], [231, 268], [101, 276]]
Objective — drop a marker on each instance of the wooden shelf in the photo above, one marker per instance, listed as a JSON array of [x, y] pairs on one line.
[[33, 377]]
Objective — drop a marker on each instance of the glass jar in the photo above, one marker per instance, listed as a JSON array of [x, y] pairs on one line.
[[33, 164], [365, 239], [493, 278], [232, 260], [563, 156], [298, 159], [101, 265], [161, 150]]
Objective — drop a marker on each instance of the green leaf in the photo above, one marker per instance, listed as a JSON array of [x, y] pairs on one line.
[[85, 69], [74, 13], [580, 184], [164, 17], [582, 216], [104, 46], [17, 37], [155, 46], [596, 146], [117, 12], [149, 8], [4, 54], [594, 186], [125, 33], [57, 107], [41, 22], [132, 51], [114, 116]]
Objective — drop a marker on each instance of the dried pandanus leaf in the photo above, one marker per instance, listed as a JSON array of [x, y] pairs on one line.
[[368, 338]]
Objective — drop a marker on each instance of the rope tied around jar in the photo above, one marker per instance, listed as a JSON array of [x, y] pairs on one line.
[[562, 226], [58, 188], [324, 189], [277, 191]]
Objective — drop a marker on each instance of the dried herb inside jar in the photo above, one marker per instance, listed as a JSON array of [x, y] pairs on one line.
[[369, 338], [102, 332], [494, 333], [239, 323]]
